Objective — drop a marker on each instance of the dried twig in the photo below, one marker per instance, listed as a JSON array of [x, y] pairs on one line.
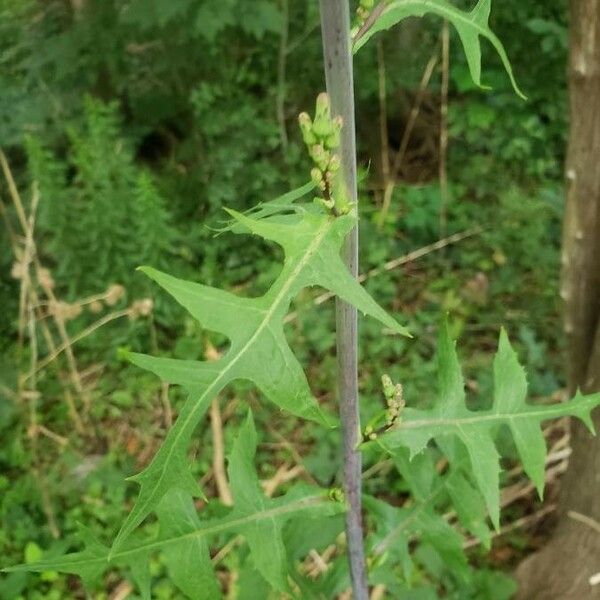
[[283, 474], [219, 454], [66, 346], [369, 22], [122, 591], [164, 398], [518, 524], [592, 523], [398, 262], [383, 119], [281, 74], [412, 119]]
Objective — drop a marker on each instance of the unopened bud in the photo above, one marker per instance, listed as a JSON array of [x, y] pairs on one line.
[[317, 176], [327, 204], [362, 14], [388, 386], [323, 108], [335, 163], [306, 127]]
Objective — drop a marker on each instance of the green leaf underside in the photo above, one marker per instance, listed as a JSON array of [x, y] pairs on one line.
[[396, 528], [258, 349], [476, 429], [469, 25], [183, 537], [422, 521]]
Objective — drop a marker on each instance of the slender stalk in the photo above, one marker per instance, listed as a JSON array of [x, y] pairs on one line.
[[444, 129], [335, 26], [281, 75]]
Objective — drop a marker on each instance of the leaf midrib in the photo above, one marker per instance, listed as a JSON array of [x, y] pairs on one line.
[[218, 527], [279, 298], [544, 413]]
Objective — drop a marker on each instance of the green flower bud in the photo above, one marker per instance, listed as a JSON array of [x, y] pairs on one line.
[[323, 128], [323, 108], [388, 387], [337, 494], [367, 4], [306, 126], [332, 141], [316, 176], [323, 160], [316, 152], [335, 163], [326, 204]]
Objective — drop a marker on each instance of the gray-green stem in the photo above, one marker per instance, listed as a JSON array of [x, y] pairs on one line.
[[335, 27]]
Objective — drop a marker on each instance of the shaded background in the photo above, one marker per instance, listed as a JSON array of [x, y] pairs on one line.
[[132, 124]]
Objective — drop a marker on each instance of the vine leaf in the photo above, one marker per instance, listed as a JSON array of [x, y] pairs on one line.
[[258, 351], [469, 25], [183, 537], [476, 430]]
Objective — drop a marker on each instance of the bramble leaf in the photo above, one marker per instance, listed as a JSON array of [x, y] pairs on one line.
[[183, 536], [258, 349], [469, 25], [450, 418]]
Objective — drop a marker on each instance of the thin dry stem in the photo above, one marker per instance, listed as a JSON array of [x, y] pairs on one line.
[[412, 119], [67, 345], [398, 262], [443, 173], [164, 398], [591, 523], [518, 524], [218, 461], [281, 75], [383, 118]]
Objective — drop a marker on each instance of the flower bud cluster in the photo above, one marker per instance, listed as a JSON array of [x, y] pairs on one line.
[[393, 393], [322, 138], [337, 494], [362, 14], [392, 415]]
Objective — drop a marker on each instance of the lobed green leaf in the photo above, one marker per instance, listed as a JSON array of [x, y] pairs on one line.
[[450, 418], [469, 25], [183, 538], [258, 350]]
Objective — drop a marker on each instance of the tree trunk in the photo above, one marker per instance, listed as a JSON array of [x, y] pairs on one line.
[[562, 570]]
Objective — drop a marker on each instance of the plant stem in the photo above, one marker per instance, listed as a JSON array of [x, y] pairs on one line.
[[335, 26]]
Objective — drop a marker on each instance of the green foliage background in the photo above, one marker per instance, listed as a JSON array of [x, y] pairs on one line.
[[139, 120]]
